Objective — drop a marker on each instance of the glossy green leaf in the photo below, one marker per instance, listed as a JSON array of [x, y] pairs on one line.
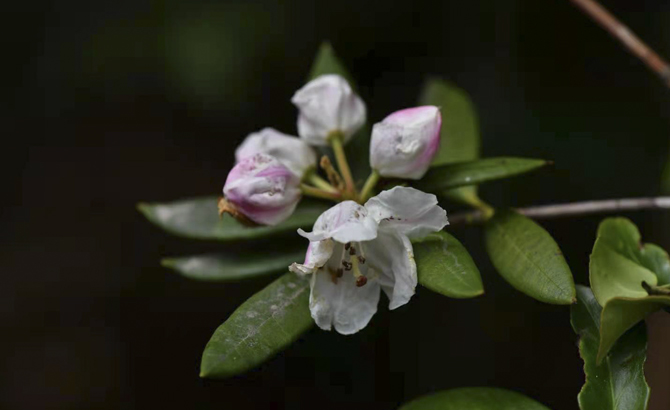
[[459, 137], [199, 219], [621, 314], [445, 266], [358, 148], [475, 172], [529, 258], [618, 383], [620, 263], [474, 398], [262, 326], [221, 268]]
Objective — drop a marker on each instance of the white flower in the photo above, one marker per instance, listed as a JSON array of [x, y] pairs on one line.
[[357, 249], [291, 151], [327, 104], [404, 143], [262, 189]]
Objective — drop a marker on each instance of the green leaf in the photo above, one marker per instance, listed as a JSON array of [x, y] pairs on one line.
[[327, 62], [264, 325], [199, 219], [621, 314], [620, 263], [529, 258], [617, 384], [221, 268], [445, 266], [475, 172], [459, 136], [474, 398], [357, 149]]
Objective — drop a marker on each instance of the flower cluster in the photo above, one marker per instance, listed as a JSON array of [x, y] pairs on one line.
[[361, 245]]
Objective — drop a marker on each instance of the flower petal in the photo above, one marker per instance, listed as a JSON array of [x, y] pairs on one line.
[[390, 259], [291, 151], [328, 104], [412, 212], [342, 304], [344, 222], [317, 255]]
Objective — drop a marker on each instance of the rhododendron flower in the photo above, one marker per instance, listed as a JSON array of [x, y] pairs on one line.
[[291, 151], [404, 143], [327, 106], [261, 189], [356, 250]]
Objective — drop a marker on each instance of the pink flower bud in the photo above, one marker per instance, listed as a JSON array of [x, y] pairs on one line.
[[327, 104], [262, 189], [291, 151], [404, 143]]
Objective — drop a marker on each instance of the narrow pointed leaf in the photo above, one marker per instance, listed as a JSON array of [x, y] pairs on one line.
[[221, 268], [620, 263], [459, 137], [529, 258], [474, 398], [621, 314], [445, 266], [475, 172], [618, 383], [261, 327], [198, 218], [358, 148]]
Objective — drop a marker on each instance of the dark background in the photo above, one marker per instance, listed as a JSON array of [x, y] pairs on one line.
[[114, 102]]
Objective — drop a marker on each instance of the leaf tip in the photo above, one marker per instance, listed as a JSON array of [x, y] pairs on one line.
[[168, 262]]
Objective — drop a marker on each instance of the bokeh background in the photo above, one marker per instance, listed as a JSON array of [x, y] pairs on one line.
[[114, 102]]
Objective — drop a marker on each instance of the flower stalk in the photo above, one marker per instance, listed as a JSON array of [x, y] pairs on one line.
[[320, 193], [336, 139], [369, 186]]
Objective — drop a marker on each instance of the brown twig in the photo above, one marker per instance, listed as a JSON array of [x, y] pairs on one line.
[[627, 37], [573, 209]]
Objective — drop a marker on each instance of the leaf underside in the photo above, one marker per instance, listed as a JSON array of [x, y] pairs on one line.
[[222, 268], [198, 218]]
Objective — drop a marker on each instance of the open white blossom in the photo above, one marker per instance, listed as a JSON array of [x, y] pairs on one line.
[[291, 151], [404, 143], [327, 104], [356, 250]]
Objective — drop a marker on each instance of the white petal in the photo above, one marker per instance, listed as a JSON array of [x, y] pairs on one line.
[[390, 258], [328, 104], [342, 304], [412, 212], [317, 255], [404, 143], [291, 151], [344, 222]]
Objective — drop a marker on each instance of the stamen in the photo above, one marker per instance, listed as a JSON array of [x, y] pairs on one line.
[[361, 260], [347, 265], [352, 251], [360, 279]]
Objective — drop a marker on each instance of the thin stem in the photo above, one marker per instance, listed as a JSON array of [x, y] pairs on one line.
[[319, 193], [336, 141], [321, 183], [573, 209], [626, 36], [370, 184]]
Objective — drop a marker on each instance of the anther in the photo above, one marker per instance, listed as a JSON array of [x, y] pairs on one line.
[[352, 251], [339, 272], [347, 265], [361, 281], [361, 259], [347, 246]]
